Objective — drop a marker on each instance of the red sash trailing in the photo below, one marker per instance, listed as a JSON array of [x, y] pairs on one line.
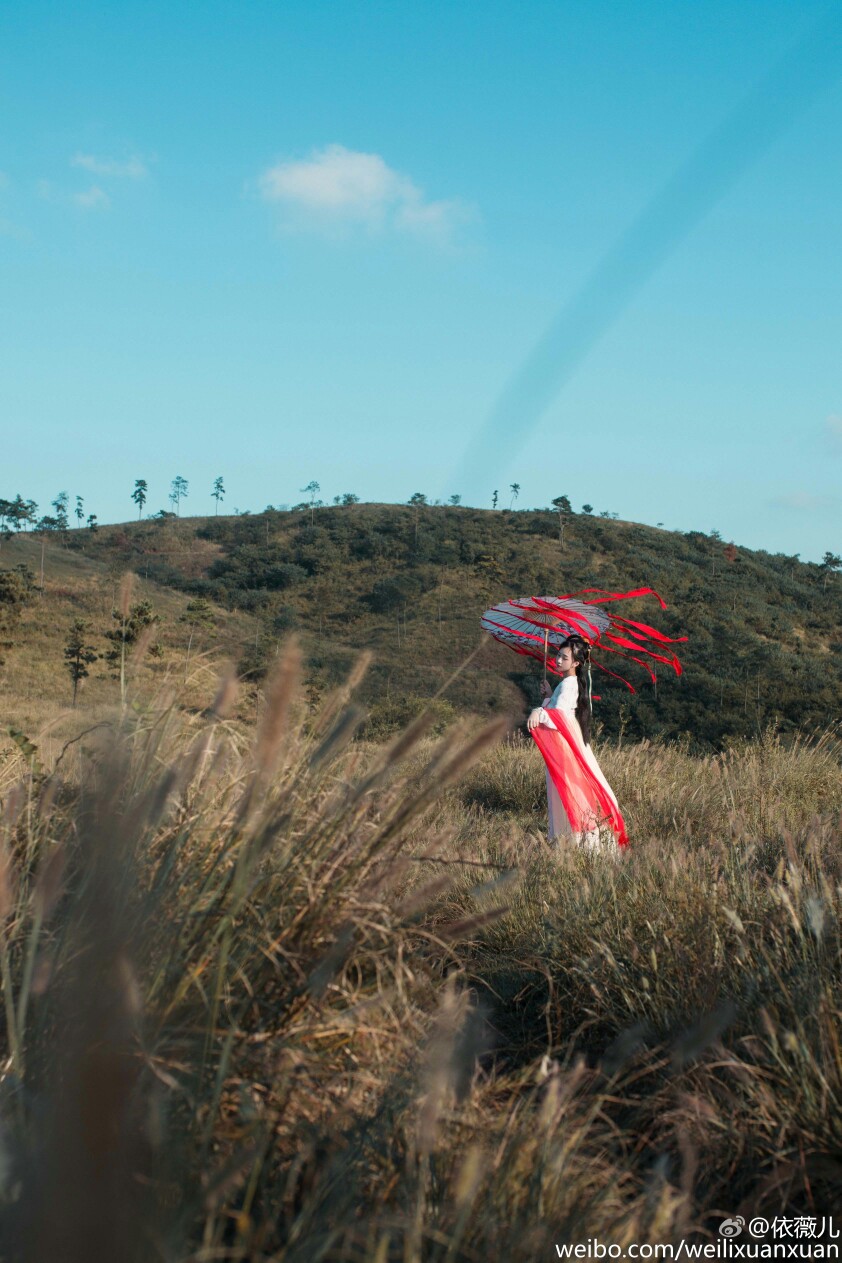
[[583, 796]]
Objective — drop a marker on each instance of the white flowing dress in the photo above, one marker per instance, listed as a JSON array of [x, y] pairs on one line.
[[564, 698]]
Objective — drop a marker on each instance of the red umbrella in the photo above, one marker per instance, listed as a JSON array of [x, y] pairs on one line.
[[536, 625]]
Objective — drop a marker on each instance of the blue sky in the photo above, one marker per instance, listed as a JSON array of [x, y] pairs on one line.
[[284, 242]]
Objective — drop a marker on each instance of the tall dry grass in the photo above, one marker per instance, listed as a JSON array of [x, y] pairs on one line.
[[296, 998]]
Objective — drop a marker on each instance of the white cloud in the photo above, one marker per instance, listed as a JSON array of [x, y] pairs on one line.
[[93, 198], [336, 186], [133, 168]]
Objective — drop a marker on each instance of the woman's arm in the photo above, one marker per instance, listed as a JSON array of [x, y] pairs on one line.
[[538, 716]]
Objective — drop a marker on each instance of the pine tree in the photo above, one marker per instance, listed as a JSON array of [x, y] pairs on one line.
[[77, 655], [312, 489], [139, 495], [178, 492], [60, 505], [80, 510], [563, 507], [131, 623]]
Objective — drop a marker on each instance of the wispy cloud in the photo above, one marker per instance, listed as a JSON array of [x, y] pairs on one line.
[[336, 187], [96, 197], [93, 198], [133, 168], [804, 501], [90, 199]]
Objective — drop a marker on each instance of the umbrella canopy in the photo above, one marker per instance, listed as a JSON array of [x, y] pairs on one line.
[[537, 625]]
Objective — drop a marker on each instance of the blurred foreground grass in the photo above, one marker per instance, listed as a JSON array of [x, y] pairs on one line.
[[303, 998]]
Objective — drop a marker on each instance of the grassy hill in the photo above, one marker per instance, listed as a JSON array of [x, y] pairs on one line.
[[36, 690], [765, 630]]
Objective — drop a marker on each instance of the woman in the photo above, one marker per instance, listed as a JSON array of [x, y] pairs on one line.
[[579, 798]]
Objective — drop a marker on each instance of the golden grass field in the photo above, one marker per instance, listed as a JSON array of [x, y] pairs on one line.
[[272, 993]]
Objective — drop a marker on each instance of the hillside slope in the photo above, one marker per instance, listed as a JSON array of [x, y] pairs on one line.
[[36, 689], [410, 583]]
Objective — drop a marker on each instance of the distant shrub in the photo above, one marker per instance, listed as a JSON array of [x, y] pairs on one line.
[[286, 575], [390, 594], [392, 714], [17, 588], [285, 618], [253, 601]]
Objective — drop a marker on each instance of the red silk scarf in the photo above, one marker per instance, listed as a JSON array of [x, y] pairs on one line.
[[583, 796]]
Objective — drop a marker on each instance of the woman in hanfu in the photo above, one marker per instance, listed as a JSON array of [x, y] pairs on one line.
[[580, 802]]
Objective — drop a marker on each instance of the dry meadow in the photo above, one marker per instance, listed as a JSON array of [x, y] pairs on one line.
[[274, 993]]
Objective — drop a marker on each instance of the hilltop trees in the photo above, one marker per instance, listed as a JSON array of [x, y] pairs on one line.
[[494, 499], [563, 508], [416, 500], [178, 492], [59, 521], [139, 495], [60, 505], [18, 512], [830, 563], [218, 493], [312, 490], [515, 490]]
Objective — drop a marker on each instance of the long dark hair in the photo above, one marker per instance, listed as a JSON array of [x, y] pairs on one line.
[[581, 651]]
